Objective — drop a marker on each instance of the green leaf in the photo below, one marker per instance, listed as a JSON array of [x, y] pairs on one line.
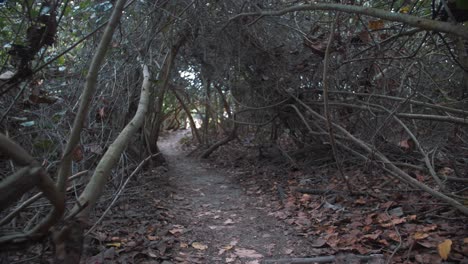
[[61, 60]]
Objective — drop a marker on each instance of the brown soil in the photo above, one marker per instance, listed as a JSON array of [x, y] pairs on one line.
[[234, 222]]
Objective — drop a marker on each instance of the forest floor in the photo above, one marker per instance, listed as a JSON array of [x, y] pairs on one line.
[[193, 213], [235, 208]]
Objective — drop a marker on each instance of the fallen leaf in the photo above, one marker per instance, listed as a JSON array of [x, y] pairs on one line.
[[420, 235], [224, 249], [230, 259], [115, 244], [77, 154], [376, 24], [305, 198], [7, 75], [411, 217], [427, 244], [183, 245], [228, 222], [152, 238], [444, 249], [177, 230], [429, 228], [393, 222], [319, 242], [152, 254], [446, 171], [247, 253], [199, 246], [405, 9], [360, 201]]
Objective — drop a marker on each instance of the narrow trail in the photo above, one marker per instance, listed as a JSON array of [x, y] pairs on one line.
[[218, 220]]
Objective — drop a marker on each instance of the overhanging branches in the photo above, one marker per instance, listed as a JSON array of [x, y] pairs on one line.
[[417, 22]]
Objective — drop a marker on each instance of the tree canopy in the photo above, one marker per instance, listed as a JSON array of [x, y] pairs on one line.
[[89, 86]]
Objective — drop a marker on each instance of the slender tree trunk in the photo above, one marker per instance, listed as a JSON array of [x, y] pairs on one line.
[[206, 118], [97, 182], [154, 122], [88, 92], [189, 116]]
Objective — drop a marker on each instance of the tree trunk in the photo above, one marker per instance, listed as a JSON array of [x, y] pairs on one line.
[[153, 122], [189, 115]]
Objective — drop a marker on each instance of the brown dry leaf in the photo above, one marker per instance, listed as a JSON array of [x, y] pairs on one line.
[[384, 242], [406, 145], [224, 249], [364, 37], [77, 154], [420, 235], [199, 246], [374, 235], [177, 230], [420, 176], [152, 238], [427, 244], [429, 228], [183, 245], [360, 201], [411, 217], [376, 24], [465, 240], [290, 204], [247, 253], [444, 249], [305, 198], [393, 222], [102, 112], [393, 235], [446, 171], [228, 247]]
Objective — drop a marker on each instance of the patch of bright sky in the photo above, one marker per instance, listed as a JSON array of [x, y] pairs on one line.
[[189, 75]]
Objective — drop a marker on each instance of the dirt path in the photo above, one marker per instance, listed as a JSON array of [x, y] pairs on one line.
[[217, 220]]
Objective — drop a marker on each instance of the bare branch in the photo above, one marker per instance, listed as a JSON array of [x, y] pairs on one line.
[[417, 22]]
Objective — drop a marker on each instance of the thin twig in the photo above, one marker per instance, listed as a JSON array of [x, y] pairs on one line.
[[326, 84]]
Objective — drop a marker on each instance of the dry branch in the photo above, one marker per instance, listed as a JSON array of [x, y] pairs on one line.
[[390, 166], [88, 92], [97, 182], [417, 22]]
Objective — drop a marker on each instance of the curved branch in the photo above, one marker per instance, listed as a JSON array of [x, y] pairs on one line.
[[96, 185], [417, 22]]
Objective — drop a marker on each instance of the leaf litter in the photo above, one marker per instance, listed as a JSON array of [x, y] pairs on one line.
[[410, 225]]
